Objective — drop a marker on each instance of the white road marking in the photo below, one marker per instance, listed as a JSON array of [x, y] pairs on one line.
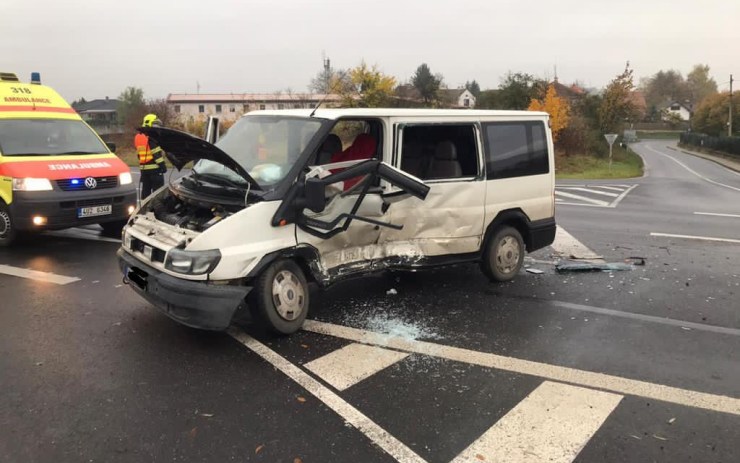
[[567, 245], [621, 197], [37, 275], [692, 170], [581, 198], [648, 318], [609, 187], [716, 214], [692, 237], [553, 423], [351, 364], [82, 234], [617, 384], [350, 414], [589, 190]]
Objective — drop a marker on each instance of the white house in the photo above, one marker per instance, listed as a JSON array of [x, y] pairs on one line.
[[459, 97], [230, 106], [678, 109]]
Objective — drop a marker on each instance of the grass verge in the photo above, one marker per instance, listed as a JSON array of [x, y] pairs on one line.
[[659, 134], [626, 164]]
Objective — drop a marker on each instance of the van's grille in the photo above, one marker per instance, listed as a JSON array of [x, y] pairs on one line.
[[158, 255], [78, 184], [91, 202]]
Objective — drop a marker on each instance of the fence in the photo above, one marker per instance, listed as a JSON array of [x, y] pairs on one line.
[[726, 145]]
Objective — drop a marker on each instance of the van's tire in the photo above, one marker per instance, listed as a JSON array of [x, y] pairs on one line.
[[279, 300], [8, 233], [113, 229], [503, 255]]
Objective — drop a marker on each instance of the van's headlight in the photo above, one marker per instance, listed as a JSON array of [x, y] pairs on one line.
[[125, 178], [31, 184], [192, 262]]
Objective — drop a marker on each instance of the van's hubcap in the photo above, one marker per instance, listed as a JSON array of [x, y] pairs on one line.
[[288, 295], [507, 255], [4, 223]]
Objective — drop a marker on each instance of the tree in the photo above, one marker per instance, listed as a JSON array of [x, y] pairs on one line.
[[473, 88], [426, 83], [131, 107], [162, 109], [699, 84], [556, 107], [665, 87], [81, 101], [322, 82], [365, 87], [616, 105], [711, 115], [518, 90], [489, 99]]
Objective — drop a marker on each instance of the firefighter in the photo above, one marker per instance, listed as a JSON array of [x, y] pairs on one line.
[[151, 158]]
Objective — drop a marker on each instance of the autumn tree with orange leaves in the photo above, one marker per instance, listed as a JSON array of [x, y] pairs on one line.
[[556, 107]]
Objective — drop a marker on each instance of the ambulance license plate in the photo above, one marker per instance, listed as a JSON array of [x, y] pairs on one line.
[[94, 211]]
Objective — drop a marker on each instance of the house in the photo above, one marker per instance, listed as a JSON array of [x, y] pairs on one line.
[[675, 108], [100, 114], [408, 95], [457, 98], [230, 106]]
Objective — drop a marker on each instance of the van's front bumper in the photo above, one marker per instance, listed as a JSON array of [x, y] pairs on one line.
[[197, 304], [61, 209]]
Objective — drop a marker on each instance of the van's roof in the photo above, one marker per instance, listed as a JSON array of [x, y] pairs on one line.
[[332, 113]]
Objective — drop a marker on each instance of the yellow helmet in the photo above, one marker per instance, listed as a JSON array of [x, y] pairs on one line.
[[150, 120]]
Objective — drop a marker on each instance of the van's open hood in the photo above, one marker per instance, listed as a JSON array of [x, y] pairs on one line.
[[182, 148]]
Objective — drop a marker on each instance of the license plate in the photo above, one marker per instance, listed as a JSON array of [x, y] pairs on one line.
[[94, 211]]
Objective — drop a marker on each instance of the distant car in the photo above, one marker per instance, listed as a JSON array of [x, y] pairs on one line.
[[288, 197], [55, 171]]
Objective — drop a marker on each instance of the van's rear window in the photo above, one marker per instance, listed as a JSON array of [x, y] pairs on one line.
[[515, 149], [47, 137]]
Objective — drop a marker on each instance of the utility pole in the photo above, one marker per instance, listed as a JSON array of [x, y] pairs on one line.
[[729, 120]]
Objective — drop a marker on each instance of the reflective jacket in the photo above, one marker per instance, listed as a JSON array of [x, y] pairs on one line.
[[150, 154]]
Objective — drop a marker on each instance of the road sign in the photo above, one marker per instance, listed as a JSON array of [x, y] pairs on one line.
[[610, 138]]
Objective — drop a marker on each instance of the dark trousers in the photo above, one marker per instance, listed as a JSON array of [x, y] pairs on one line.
[[151, 180]]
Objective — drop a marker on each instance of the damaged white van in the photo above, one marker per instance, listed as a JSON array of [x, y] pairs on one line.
[[287, 198]]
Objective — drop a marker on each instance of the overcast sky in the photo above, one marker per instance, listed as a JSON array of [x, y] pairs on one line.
[[95, 48]]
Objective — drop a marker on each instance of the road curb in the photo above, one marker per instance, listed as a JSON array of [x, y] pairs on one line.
[[733, 166]]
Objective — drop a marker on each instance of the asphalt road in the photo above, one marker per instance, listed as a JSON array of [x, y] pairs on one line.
[[637, 365]]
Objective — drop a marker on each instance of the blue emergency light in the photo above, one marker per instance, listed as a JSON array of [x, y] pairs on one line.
[[36, 78], [75, 181]]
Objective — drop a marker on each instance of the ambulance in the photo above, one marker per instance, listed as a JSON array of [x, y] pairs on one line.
[[55, 171]]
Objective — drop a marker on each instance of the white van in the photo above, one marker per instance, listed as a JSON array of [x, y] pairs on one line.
[[286, 198]]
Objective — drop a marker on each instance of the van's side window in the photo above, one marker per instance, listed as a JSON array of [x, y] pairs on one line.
[[440, 151], [515, 149]]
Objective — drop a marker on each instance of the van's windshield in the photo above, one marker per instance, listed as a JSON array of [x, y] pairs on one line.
[[265, 146], [47, 137]]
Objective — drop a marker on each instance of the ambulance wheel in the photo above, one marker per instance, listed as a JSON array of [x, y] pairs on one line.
[[504, 255], [8, 233], [113, 228], [279, 300]]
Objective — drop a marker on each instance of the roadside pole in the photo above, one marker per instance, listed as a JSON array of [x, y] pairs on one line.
[[610, 138]]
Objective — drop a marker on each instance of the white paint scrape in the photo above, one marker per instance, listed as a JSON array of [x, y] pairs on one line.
[[551, 424]]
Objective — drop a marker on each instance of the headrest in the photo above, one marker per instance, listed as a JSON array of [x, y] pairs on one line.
[[445, 151], [332, 144]]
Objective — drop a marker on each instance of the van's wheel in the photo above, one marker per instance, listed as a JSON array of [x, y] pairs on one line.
[[113, 228], [279, 300], [503, 256], [8, 233]]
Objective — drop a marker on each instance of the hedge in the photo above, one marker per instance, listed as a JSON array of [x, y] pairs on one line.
[[727, 145]]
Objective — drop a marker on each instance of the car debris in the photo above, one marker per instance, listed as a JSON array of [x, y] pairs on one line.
[[592, 267], [536, 271]]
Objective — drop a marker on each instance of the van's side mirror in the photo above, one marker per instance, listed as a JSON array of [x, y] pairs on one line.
[[111, 147], [314, 191]]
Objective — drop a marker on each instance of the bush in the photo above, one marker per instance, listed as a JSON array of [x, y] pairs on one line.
[[728, 145]]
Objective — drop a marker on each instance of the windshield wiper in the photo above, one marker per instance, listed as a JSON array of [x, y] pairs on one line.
[[75, 152]]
